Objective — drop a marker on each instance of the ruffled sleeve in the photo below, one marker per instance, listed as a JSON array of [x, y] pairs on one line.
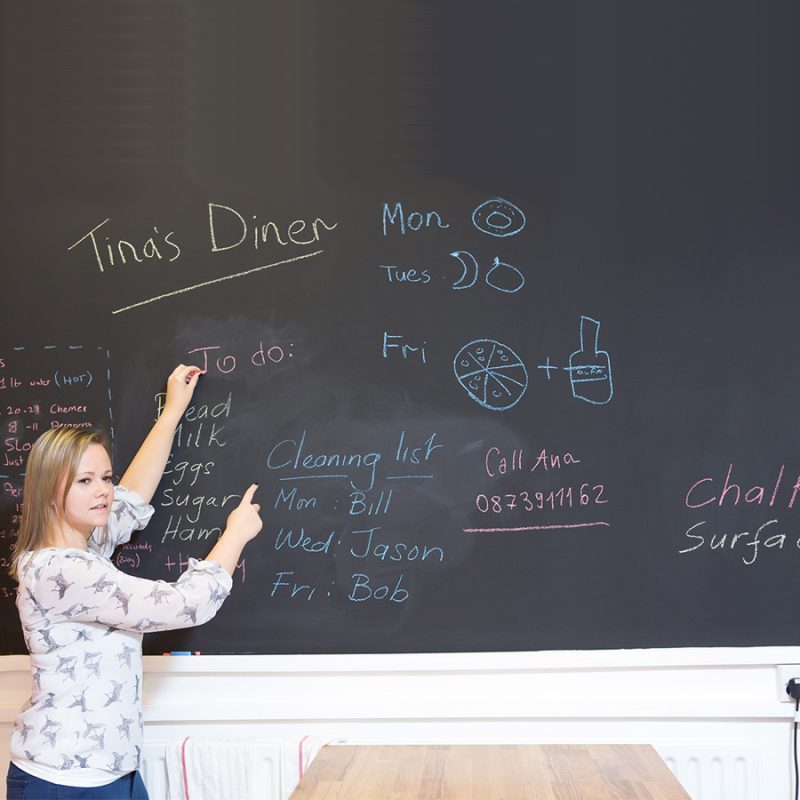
[[129, 513]]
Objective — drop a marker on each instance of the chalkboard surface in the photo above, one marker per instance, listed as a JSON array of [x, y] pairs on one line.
[[498, 303]]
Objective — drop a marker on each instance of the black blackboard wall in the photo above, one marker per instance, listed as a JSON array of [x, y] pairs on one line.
[[387, 228]]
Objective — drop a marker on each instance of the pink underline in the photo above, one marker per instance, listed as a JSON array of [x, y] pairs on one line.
[[537, 528]]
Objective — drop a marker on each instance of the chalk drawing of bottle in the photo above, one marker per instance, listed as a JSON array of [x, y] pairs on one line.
[[590, 368]]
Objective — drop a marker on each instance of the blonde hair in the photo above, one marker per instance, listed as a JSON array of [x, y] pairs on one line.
[[51, 467]]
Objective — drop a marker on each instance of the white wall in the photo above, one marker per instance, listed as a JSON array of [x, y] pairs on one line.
[[706, 701]]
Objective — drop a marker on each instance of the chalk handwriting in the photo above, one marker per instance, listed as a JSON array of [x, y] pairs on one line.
[[746, 543], [201, 411], [543, 499], [395, 274], [360, 468], [361, 503], [197, 502], [55, 386], [412, 221], [190, 471], [498, 462], [717, 492], [292, 454], [213, 357], [62, 379], [294, 539], [364, 588], [175, 531], [368, 546], [183, 562], [394, 343], [416, 455], [111, 252], [285, 585], [292, 501], [295, 233]]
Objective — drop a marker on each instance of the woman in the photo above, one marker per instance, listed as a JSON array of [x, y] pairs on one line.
[[80, 735]]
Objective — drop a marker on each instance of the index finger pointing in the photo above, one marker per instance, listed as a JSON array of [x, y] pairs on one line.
[[248, 495]]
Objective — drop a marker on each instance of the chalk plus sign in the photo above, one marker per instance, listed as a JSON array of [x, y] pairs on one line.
[[548, 366]]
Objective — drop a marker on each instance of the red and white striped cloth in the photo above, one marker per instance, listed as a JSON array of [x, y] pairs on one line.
[[203, 768]]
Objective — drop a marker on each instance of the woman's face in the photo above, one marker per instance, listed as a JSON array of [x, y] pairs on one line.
[[89, 497]]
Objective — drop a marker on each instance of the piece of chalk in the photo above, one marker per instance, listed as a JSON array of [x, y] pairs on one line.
[[180, 652]]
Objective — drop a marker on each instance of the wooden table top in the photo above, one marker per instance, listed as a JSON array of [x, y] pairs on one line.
[[489, 772]]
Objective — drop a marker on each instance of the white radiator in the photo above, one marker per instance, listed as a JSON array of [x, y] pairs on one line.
[[154, 770], [706, 771], [714, 772]]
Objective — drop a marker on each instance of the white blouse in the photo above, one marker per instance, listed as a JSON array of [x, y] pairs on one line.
[[83, 622]]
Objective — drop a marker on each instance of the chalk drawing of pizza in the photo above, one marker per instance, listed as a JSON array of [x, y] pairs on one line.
[[491, 373]]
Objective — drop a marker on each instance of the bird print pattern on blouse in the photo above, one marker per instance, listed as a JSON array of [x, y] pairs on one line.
[[83, 621]]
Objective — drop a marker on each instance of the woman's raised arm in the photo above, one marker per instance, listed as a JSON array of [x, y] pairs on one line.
[[147, 467]]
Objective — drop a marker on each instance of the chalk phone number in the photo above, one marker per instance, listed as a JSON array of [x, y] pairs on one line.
[[565, 497]]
